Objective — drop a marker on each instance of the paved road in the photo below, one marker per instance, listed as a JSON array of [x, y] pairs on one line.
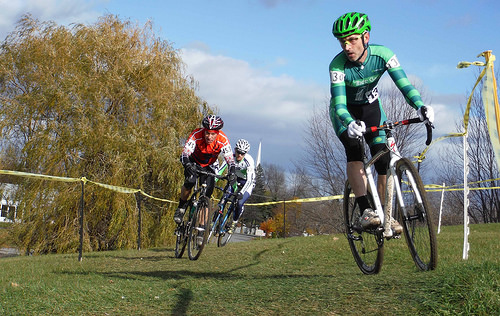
[[237, 237], [8, 252], [242, 237], [12, 252]]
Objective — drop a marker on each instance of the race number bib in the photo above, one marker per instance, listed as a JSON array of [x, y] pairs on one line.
[[393, 62], [371, 96], [336, 76]]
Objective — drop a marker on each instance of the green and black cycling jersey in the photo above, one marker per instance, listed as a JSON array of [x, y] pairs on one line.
[[355, 84]]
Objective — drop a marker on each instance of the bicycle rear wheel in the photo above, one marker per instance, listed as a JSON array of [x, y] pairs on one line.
[[416, 217], [198, 230], [367, 247]]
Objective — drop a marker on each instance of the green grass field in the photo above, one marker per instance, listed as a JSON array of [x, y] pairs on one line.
[[292, 276]]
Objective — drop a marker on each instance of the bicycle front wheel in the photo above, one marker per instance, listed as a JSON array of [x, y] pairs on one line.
[[225, 235], [180, 240], [225, 232], [367, 247], [181, 236], [198, 230], [214, 224], [415, 216]]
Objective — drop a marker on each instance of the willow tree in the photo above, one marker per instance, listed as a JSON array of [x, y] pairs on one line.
[[108, 101]]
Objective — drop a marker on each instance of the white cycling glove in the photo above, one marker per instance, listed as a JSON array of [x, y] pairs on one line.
[[426, 113], [356, 129]]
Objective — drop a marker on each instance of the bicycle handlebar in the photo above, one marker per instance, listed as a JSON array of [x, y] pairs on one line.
[[389, 125], [239, 174], [211, 174]]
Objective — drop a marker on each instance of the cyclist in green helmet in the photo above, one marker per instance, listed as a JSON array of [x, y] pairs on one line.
[[355, 103]]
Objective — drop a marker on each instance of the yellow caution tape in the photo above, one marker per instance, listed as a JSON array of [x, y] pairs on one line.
[[461, 65], [38, 176], [115, 188], [120, 189]]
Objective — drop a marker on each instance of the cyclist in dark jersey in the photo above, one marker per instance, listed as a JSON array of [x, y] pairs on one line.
[[354, 103]]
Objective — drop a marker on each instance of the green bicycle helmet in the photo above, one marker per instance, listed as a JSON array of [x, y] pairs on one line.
[[351, 23]]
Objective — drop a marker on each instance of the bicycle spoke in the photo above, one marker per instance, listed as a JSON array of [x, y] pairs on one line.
[[415, 217], [197, 237], [180, 240], [366, 246]]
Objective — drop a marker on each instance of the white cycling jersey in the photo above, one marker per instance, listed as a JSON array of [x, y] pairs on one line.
[[247, 167]]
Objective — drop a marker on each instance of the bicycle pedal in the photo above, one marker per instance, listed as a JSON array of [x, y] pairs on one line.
[[393, 236]]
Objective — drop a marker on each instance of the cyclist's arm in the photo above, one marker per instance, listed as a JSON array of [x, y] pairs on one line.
[[338, 100], [189, 148], [399, 77], [250, 173], [220, 169], [227, 153]]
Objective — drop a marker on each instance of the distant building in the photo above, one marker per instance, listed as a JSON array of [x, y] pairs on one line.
[[8, 209], [8, 212]]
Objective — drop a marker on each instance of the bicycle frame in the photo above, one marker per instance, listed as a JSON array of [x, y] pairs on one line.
[[223, 213], [391, 184], [409, 202], [186, 229]]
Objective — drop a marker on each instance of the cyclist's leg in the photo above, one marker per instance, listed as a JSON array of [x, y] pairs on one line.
[[210, 181], [189, 182], [238, 211], [372, 114], [355, 170], [240, 206]]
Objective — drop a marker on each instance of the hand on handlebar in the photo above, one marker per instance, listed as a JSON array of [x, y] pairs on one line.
[[231, 178], [426, 114], [191, 167], [356, 129]]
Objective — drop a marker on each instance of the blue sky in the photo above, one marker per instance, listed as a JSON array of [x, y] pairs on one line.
[[264, 63]]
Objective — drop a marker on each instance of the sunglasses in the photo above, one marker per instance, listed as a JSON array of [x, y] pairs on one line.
[[240, 152]]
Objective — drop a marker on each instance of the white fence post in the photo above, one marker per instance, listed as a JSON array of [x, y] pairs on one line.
[[441, 209]]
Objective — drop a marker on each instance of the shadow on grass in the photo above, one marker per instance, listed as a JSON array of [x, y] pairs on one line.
[[140, 254], [184, 299], [190, 274]]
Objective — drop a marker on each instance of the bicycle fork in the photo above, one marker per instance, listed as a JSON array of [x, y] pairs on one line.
[[411, 185], [389, 193]]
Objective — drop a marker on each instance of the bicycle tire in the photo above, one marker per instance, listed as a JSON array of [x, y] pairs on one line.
[[367, 247], [224, 235], [180, 240], [195, 249], [227, 221], [416, 219], [181, 233], [214, 224]]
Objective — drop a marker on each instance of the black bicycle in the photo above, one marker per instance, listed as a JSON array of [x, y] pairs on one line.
[[191, 231], [406, 200], [222, 218]]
